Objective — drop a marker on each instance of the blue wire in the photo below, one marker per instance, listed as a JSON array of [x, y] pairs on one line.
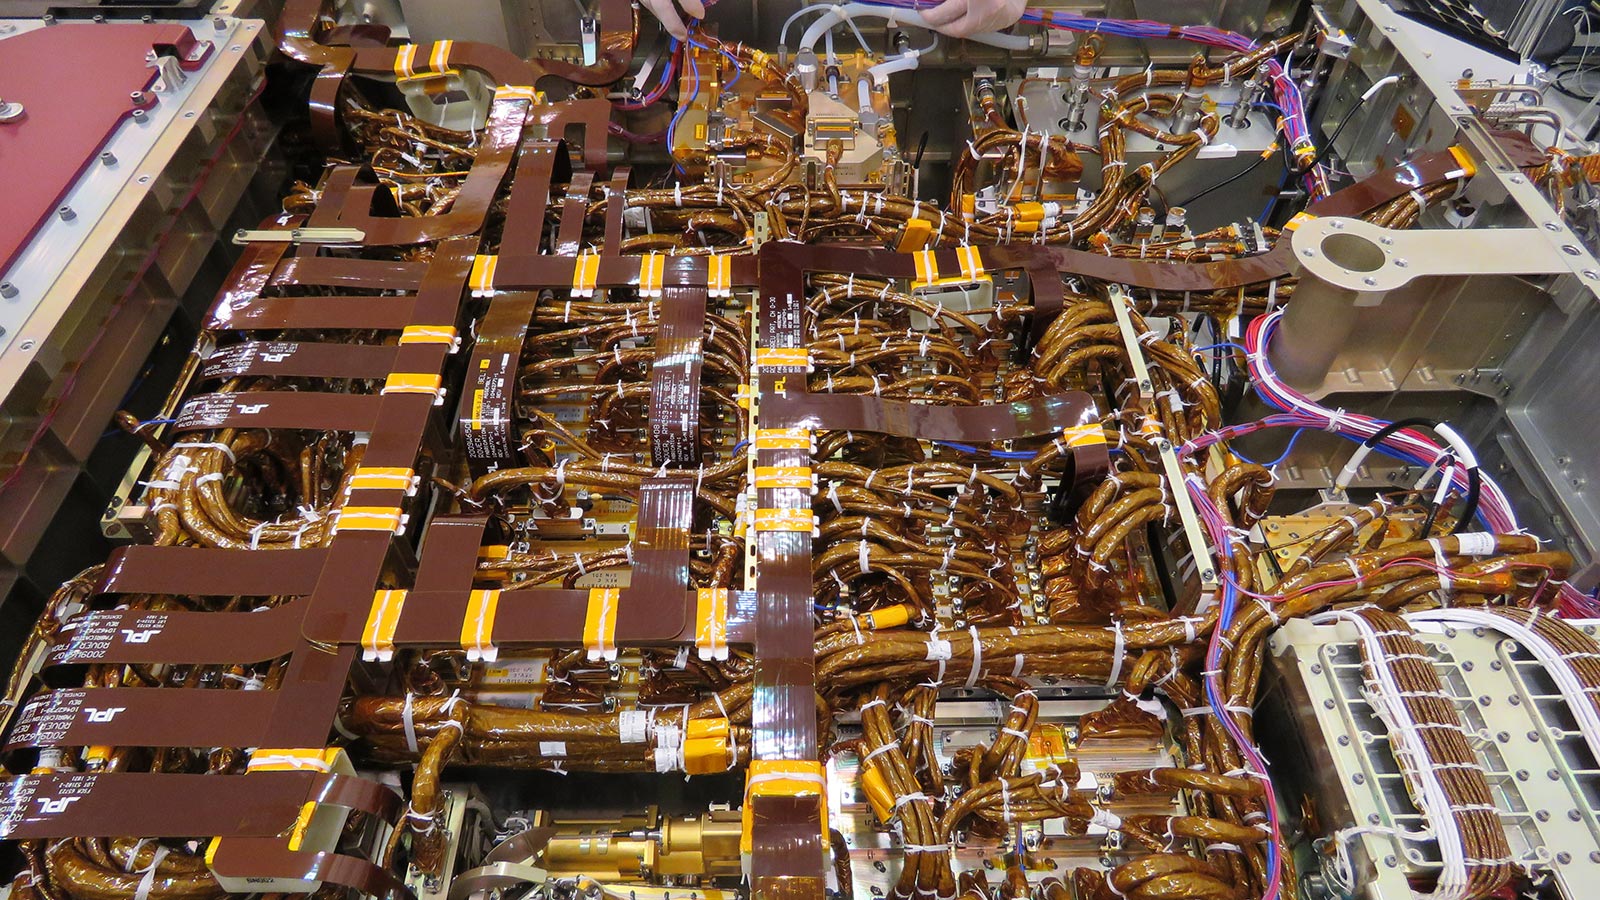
[[1267, 210], [1281, 457], [997, 454], [1229, 344], [112, 431], [731, 58], [672, 127]]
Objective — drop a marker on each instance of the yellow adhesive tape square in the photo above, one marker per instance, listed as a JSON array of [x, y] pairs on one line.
[[377, 637], [715, 726], [295, 760], [383, 478], [792, 520], [1028, 211], [412, 383], [915, 235], [297, 834], [927, 266], [477, 626], [1298, 220], [652, 270], [711, 623], [481, 279], [404, 57], [370, 518], [439, 58], [971, 262], [782, 439], [518, 92], [600, 624], [1083, 435], [783, 778], [429, 334], [706, 756], [436, 61], [768, 358], [585, 274], [878, 794], [779, 477], [719, 275]]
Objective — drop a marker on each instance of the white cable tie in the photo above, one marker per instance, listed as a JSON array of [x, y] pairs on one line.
[[892, 745], [1119, 651], [209, 445], [977, 656], [408, 720], [912, 797]]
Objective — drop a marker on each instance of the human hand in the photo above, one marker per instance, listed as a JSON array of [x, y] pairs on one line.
[[965, 18], [672, 19]]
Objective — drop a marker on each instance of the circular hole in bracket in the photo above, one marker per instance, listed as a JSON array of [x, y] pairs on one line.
[[1353, 252]]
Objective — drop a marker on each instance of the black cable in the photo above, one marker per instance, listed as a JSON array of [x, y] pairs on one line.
[[1227, 181], [1237, 175], [1474, 477], [1339, 129]]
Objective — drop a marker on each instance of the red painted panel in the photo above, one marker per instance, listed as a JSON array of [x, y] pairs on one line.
[[74, 82]]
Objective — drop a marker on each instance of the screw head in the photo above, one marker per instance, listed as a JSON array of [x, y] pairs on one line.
[[108, 158], [10, 111], [7, 290], [66, 213]]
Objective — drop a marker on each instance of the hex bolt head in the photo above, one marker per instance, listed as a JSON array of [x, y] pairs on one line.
[[7, 290], [66, 213]]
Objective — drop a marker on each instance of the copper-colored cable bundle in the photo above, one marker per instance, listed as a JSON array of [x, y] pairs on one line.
[[1446, 754]]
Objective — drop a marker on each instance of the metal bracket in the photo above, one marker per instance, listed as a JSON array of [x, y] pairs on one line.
[[300, 236], [1187, 516]]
